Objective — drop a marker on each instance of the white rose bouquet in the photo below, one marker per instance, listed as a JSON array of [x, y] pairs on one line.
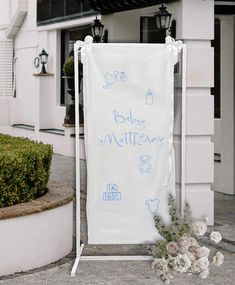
[[179, 250]]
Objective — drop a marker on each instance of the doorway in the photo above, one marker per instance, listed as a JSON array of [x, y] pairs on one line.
[[68, 38], [224, 135]]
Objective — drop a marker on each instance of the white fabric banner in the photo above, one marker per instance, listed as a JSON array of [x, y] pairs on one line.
[[128, 101]]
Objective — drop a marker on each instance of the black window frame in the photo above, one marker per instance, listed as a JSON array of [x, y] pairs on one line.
[[51, 20], [66, 53], [216, 90], [157, 36]]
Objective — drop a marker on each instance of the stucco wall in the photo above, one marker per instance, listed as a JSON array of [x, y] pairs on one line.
[[4, 12], [28, 43], [41, 94]]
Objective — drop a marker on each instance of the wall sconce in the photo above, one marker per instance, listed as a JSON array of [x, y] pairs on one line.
[[43, 58], [97, 29], [163, 18]]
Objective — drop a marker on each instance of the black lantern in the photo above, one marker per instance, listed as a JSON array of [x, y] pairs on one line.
[[97, 30], [43, 58], [163, 18]]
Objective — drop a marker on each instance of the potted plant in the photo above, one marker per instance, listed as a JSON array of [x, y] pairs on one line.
[[68, 70]]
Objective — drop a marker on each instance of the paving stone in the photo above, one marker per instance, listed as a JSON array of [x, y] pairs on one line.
[[122, 273]]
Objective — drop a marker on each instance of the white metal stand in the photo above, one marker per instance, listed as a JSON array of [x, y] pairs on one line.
[[183, 128], [79, 247]]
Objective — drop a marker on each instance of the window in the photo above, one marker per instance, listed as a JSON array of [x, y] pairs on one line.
[[51, 11], [149, 32], [68, 38]]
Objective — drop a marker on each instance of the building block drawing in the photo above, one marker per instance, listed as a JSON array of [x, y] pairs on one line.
[[111, 193]]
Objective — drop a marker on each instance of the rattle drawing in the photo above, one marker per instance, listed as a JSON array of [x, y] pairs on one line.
[[112, 78]]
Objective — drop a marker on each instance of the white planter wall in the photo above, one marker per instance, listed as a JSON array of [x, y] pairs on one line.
[[35, 240]]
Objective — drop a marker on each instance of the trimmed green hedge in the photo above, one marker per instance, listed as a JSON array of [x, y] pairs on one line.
[[24, 169]]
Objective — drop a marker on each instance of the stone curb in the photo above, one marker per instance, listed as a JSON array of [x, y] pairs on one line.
[[57, 195]]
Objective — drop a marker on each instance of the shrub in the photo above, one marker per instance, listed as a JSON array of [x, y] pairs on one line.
[[68, 67], [24, 169]]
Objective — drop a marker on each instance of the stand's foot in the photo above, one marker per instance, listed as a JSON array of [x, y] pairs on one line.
[[76, 262]]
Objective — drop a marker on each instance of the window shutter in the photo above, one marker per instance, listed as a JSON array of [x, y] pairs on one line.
[[6, 64]]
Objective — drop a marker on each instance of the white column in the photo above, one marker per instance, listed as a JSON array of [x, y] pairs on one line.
[[196, 28]]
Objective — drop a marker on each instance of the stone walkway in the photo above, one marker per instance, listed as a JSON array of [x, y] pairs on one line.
[[131, 272]]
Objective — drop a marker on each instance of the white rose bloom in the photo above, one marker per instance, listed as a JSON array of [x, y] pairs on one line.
[[203, 263], [166, 278], [160, 266], [218, 259], [172, 248], [193, 249], [193, 241], [202, 252], [215, 237], [195, 267], [183, 244], [204, 274], [181, 263], [191, 256], [199, 228], [167, 282]]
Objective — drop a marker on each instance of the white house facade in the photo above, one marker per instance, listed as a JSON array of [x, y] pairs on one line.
[[33, 105]]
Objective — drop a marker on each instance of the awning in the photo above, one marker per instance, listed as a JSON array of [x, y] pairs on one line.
[[113, 6]]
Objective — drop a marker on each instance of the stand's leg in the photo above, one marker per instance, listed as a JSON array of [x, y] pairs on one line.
[[76, 262], [183, 130], [79, 247]]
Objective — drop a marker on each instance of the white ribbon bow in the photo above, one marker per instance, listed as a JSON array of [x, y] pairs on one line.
[[174, 46], [85, 46]]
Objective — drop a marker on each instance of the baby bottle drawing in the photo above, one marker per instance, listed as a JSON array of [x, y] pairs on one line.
[[145, 166], [149, 97]]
